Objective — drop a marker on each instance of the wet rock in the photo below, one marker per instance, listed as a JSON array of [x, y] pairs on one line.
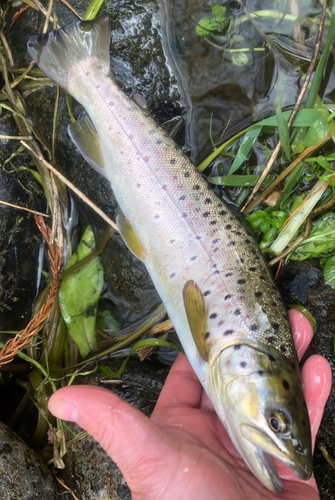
[[303, 283], [89, 471], [23, 474]]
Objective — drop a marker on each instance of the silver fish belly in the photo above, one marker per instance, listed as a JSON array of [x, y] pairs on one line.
[[205, 265]]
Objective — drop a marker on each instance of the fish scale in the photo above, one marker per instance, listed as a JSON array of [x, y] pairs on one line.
[[205, 265]]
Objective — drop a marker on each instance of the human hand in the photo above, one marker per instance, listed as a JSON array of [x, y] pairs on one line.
[[183, 451]]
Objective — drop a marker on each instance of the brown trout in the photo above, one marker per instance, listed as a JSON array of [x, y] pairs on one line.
[[206, 266]]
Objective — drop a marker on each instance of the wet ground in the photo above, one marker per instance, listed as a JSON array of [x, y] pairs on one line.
[[156, 52]]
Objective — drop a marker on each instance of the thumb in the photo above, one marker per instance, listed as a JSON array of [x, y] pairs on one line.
[[133, 441]]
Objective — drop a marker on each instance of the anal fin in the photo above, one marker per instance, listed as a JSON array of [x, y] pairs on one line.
[[84, 136], [196, 312], [130, 238]]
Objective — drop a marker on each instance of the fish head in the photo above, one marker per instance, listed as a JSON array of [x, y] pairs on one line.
[[259, 398]]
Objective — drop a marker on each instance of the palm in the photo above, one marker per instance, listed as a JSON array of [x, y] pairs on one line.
[[184, 413]]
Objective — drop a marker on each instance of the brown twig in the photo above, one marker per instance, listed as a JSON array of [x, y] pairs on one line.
[[23, 208], [15, 345], [44, 11], [296, 106]]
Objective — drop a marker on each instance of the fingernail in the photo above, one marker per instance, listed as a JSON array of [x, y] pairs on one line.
[[64, 410]]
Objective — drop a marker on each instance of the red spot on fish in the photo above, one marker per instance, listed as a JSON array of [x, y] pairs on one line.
[[184, 215], [98, 86], [131, 137], [88, 73], [164, 187], [122, 152], [138, 185], [146, 158], [156, 216], [172, 241], [111, 103], [110, 128]]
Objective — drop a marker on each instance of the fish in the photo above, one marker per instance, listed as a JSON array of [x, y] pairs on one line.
[[205, 264]]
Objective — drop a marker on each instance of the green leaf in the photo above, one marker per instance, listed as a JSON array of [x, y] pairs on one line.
[[245, 147], [256, 219], [204, 26], [317, 132], [283, 130], [265, 225], [320, 241], [239, 180], [329, 272], [92, 10], [219, 11], [79, 294], [108, 371]]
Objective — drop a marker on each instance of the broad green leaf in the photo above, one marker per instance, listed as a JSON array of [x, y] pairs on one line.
[[79, 294], [245, 147], [92, 10], [329, 272], [317, 132]]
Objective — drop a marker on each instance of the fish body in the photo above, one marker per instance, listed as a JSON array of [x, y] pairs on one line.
[[204, 263]]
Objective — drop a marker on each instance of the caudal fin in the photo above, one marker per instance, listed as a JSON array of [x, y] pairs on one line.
[[56, 52]]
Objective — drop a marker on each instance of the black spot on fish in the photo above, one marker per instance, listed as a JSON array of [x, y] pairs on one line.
[[198, 237], [187, 174], [213, 222], [247, 241], [260, 372], [237, 312], [207, 292], [240, 282], [223, 212], [228, 226], [194, 257], [173, 161], [215, 249], [286, 385], [275, 304], [184, 215], [228, 332], [159, 141], [231, 244], [215, 241], [275, 326], [258, 294], [272, 358], [207, 335], [243, 364], [172, 275], [252, 269], [240, 261], [196, 187], [208, 201], [182, 197], [283, 349], [262, 278], [238, 233], [206, 214], [216, 272], [237, 347], [270, 339], [213, 316], [253, 328], [227, 297], [227, 276]]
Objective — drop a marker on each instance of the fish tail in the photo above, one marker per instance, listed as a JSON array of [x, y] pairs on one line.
[[58, 51]]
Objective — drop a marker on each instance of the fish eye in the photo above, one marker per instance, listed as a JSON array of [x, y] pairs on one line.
[[277, 422]]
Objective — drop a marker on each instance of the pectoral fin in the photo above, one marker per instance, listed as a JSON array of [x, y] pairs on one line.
[[196, 311], [86, 139], [130, 238]]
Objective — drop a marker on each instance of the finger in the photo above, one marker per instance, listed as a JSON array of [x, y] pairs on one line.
[[317, 380], [126, 434], [302, 331], [182, 386]]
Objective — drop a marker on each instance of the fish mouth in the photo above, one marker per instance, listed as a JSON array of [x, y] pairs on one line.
[[261, 451]]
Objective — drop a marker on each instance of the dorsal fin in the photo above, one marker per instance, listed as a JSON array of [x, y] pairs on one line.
[[196, 312]]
